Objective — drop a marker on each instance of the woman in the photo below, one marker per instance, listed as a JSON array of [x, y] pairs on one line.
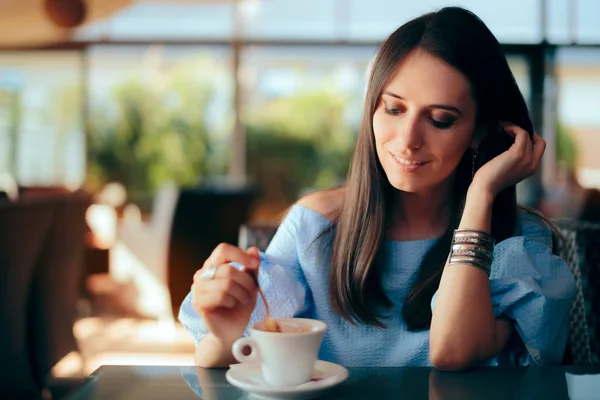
[[421, 258]]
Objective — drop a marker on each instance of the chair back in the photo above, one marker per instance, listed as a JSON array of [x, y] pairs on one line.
[[24, 226], [256, 235], [581, 250], [55, 287], [203, 218]]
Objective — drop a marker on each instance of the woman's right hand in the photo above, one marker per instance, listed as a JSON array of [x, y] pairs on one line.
[[226, 301]]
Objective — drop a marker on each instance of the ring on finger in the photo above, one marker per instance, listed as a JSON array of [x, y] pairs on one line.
[[209, 273]]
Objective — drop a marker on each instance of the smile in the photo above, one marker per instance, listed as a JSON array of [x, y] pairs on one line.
[[407, 162]]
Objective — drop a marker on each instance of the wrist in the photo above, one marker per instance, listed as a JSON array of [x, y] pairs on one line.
[[213, 352], [477, 213], [228, 340], [480, 195]]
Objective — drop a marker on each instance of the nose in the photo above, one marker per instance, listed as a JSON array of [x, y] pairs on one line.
[[409, 132]]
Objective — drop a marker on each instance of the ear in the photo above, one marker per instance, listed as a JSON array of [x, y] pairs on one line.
[[479, 134]]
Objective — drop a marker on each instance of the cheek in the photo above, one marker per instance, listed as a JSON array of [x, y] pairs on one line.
[[453, 150], [380, 132], [382, 129]]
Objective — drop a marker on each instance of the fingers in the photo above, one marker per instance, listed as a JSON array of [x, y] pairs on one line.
[[226, 287], [207, 301], [539, 146], [225, 253], [522, 142], [226, 272], [229, 286], [242, 278], [254, 253], [528, 151]]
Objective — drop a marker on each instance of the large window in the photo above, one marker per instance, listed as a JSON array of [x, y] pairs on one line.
[[302, 110], [42, 140], [157, 114], [578, 73], [161, 113]]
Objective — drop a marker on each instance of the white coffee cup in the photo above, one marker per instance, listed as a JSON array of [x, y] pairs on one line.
[[286, 358]]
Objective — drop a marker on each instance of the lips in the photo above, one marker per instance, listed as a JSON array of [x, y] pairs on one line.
[[407, 162]]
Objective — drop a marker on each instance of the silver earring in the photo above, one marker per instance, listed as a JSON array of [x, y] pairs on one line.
[[473, 165]]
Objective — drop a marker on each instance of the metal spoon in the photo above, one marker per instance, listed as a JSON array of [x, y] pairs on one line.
[[270, 323]]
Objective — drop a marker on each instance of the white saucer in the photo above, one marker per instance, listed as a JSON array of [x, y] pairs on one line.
[[248, 376]]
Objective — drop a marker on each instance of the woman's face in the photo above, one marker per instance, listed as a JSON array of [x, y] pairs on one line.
[[423, 123]]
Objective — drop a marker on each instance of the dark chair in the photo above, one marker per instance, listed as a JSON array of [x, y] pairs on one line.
[[590, 210], [582, 252], [203, 218], [24, 226], [256, 235], [55, 287]]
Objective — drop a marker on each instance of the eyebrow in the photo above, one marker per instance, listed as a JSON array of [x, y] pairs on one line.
[[442, 106]]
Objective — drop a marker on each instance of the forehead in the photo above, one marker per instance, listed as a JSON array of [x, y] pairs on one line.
[[425, 79]]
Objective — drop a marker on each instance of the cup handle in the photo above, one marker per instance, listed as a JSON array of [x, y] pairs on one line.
[[242, 344]]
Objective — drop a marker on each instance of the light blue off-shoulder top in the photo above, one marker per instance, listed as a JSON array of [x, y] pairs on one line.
[[528, 284]]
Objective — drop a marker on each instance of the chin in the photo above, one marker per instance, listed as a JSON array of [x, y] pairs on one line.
[[406, 186]]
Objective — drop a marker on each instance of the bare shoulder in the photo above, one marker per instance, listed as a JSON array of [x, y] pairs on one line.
[[328, 202]]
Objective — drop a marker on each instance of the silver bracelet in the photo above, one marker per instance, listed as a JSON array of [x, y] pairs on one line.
[[472, 261], [472, 250], [468, 236], [472, 253], [472, 247]]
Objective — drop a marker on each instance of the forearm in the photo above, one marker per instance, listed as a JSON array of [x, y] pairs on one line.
[[463, 327], [213, 353]]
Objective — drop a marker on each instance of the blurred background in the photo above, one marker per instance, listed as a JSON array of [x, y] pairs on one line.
[[143, 133]]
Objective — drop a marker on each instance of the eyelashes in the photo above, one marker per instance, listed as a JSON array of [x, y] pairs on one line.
[[436, 123], [392, 111], [441, 124]]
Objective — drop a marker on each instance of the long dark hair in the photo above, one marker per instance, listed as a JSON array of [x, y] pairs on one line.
[[460, 39]]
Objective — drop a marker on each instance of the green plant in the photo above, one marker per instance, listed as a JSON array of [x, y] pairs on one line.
[[566, 147], [297, 142], [154, 133]]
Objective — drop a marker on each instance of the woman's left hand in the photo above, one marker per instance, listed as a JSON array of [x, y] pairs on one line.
[[521, 160]]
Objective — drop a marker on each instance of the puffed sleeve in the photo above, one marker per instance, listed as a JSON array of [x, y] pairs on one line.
[[534, 288], [280, 278]]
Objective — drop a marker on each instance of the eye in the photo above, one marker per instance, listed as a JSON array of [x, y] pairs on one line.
[[441, 124], [393, 109]]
